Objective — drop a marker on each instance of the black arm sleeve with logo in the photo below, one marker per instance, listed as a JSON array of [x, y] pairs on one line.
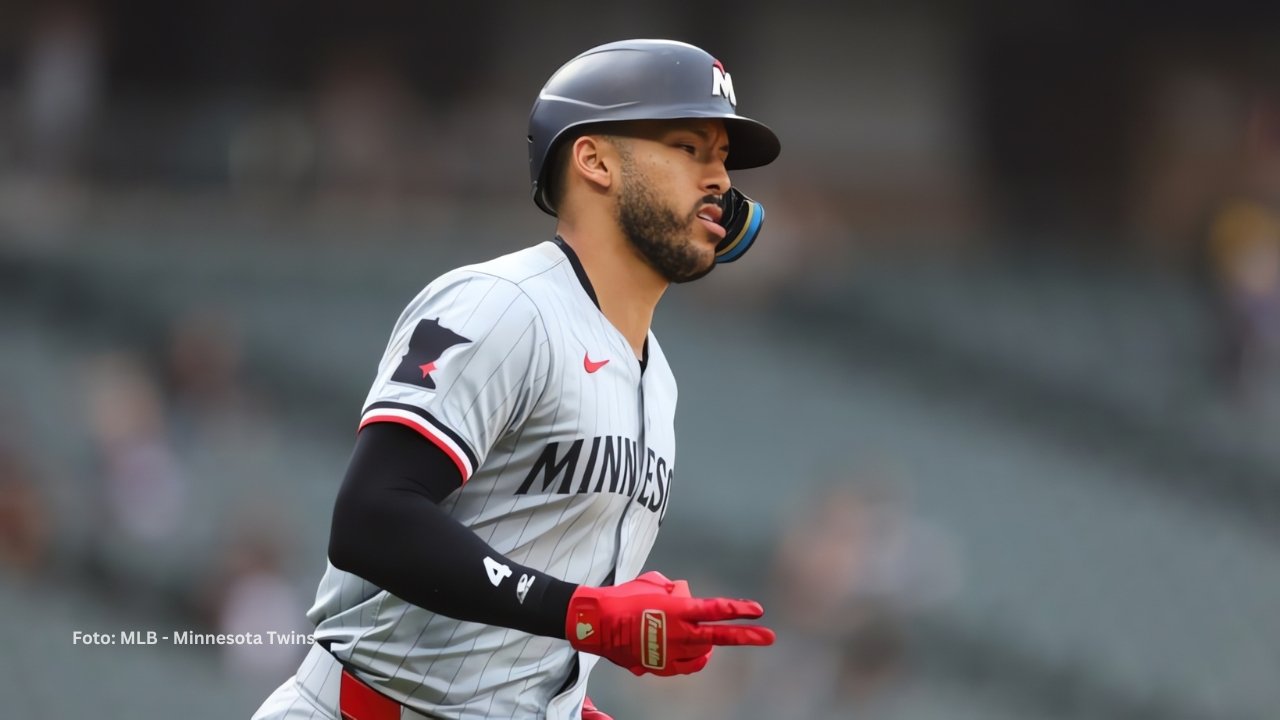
[[389, 529]]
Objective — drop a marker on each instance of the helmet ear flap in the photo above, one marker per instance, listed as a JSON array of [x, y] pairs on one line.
[[550, 186], [742, 219]]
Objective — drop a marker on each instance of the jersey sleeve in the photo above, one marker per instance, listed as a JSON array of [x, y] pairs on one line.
[[466, 362]]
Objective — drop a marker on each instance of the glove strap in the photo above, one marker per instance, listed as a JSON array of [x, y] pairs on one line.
[[582, 626]]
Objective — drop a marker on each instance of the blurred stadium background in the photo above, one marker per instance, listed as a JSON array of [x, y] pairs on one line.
[[989, 419]]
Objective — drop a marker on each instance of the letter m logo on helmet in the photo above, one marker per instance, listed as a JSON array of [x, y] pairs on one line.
[[722, 84]]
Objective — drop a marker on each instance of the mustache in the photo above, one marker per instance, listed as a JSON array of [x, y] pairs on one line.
[[717, 200]]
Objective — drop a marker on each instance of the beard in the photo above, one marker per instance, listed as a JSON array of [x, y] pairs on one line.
[[663, 238]]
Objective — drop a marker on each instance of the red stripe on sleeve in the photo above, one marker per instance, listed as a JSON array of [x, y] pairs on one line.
[[425, 432]]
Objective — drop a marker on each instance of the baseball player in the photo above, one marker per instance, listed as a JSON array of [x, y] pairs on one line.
[[516, 452]]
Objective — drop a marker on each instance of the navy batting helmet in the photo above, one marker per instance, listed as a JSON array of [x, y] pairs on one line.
[[640, 80]]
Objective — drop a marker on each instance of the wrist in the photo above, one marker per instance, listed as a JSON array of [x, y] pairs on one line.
[[554, 606]]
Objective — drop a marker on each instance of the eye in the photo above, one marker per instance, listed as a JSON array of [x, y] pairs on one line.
[[688, 148]]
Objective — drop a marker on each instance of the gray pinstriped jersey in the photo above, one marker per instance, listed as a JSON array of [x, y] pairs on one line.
[[567, 449]]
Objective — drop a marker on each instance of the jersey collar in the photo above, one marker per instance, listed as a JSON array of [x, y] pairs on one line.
[[578, 270]]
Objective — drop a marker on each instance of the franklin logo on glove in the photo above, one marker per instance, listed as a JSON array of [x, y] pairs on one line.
[[655, 639]]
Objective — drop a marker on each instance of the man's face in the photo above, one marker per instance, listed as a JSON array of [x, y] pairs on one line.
[[672, 178]]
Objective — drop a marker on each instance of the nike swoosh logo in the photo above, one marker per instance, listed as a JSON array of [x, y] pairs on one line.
[[591, 365]]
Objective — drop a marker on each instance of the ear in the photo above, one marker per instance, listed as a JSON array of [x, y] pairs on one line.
[[594, 160]]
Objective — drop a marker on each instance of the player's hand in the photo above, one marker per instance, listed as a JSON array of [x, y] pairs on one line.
[[591, 712], [654, 625]]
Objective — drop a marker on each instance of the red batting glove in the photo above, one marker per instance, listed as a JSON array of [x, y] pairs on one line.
[[591, 712], [653, 625]]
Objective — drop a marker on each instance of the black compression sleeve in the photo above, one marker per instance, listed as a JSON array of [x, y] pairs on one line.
[[389, 530]]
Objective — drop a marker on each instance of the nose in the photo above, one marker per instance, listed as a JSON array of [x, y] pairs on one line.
[[717, 180]]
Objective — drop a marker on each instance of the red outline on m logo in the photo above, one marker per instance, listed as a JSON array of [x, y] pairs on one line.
[[722, 84]]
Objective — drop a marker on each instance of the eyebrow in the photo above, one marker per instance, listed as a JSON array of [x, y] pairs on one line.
[[702, 133]]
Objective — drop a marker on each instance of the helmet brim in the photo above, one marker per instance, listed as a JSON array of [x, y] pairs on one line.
[[752, 144]]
